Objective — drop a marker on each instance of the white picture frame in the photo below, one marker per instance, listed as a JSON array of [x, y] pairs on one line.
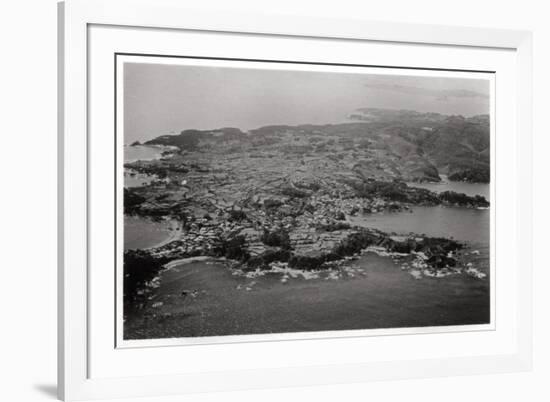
[[79, 379]]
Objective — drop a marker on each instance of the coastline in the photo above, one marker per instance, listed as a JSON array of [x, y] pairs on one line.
[[266, 212], [146, 155], [189, 260], [174, 234], [374, 293]]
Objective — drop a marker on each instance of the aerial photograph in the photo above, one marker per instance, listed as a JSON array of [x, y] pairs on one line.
[[262, 199]]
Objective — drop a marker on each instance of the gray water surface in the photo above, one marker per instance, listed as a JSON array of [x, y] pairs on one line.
[[463, 224], [470, 189], [134, 153], [381, 295]]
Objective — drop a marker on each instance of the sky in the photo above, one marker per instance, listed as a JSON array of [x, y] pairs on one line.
[[164, 99]]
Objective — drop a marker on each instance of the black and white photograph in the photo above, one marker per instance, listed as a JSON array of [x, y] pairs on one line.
[[272, 198], [278, 200]]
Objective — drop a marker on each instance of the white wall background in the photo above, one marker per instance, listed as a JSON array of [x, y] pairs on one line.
[[28, 198]]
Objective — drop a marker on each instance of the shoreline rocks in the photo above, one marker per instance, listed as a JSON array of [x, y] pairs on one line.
[[285, 195]]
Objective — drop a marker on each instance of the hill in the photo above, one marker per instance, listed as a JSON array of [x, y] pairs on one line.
[[378, 144]]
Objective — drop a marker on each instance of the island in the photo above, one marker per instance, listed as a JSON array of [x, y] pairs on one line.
[[291, 199]]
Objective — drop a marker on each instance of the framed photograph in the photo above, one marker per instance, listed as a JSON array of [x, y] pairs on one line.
[[253, 201]]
